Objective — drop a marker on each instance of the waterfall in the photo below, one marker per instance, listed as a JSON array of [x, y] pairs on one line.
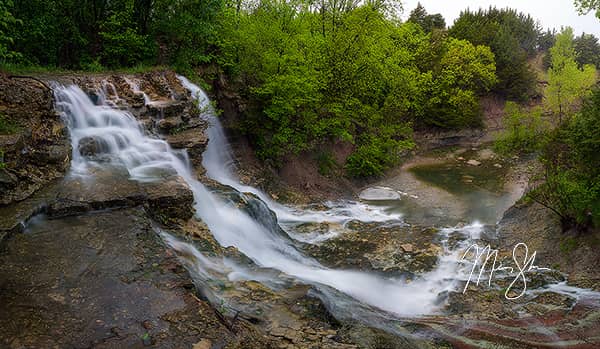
[[220, 166], [125, 144]]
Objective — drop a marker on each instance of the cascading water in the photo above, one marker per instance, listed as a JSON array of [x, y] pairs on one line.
[[220, 166], [125, 144]]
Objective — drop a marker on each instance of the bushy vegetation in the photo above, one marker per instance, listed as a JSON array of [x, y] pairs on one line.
[[570, 149], [587, 50], [7, 21], [428, 22], [316, 74], [512, 37], [116, 33], [567, 83], [311, 73], [524, 130], [571, 159]]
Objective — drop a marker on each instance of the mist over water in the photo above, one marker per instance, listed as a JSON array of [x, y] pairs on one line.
[[124, 143]]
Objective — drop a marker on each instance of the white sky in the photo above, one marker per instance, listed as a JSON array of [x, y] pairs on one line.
[[550, 13]]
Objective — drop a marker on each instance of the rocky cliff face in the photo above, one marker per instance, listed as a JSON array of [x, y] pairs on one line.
[[34, 145]]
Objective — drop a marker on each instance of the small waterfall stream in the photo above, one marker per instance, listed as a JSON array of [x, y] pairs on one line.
[[122, 139]]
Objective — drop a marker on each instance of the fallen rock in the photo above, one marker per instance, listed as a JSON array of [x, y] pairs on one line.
[[203, 344], [407, 247], [473, 162], [379, 194]]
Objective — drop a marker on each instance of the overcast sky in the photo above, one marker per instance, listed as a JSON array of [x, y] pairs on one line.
[[550, 13]]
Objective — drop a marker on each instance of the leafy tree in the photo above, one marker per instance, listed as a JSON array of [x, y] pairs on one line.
[[585, 6], [524, 130], [512, 37], [464, 72], [6, 21], [121, 43], [567, 84], [546, 40], [188, 29], [571, 186], [428, 22], [587, 50]]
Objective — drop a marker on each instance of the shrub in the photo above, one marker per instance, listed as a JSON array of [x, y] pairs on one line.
[[524, 130]]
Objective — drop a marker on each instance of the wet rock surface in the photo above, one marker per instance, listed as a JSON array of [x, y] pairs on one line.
[[401, 250], [36, 149], [94, 272], [103, 280]]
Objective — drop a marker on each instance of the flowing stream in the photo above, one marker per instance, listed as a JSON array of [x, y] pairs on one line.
[[124, 142]]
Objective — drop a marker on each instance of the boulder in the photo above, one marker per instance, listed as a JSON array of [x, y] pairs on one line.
[[169, 125], [379, 194], [193, 139], [89, 146], [170, 200]]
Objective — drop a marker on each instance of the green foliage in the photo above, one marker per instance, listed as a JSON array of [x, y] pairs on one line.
[[512, 37], [122, 44], [326, 163], [348, 72], [587, 50], [524, 130], [115, 33], [546, 40], [188, 29], [567, 84], [428, 22], [7, 20], [585, 6], [572, 173], [463, 73]]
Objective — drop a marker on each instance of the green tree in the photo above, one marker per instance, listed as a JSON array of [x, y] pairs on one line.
[[585, 6], [121, 41], [567, 84], [463, 74], [587, 50], [512, 37], [571, 186], [6, 40], [523, 130], [428, 22], [187, 29]]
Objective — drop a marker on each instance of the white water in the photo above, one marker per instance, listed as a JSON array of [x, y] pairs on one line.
[[147, 159], [220, 166], [135, 87]]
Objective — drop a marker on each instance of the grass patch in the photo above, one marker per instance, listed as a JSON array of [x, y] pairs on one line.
[[94, 67], [7, 126]]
